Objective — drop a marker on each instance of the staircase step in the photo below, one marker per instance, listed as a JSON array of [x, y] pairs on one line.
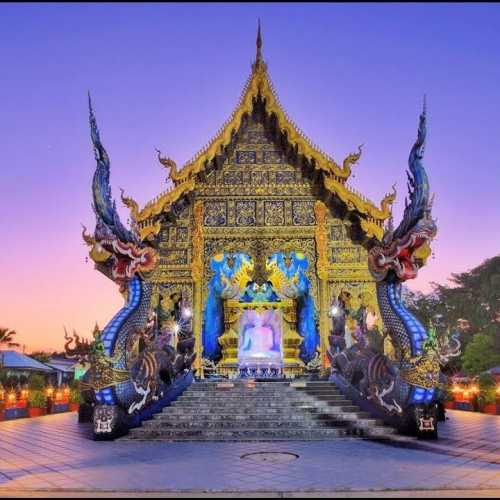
[[277, 411], [246, 406], [236, 434], [179, 416], [238, 424], [245, 397]]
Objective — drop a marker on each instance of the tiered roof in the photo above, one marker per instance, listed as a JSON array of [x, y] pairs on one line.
[[334, 176]]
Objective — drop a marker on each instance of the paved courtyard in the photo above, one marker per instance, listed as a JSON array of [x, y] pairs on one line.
[[54, 455]]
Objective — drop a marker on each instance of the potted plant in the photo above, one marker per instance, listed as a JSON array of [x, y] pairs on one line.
[[449, 399], [75, 398], [37, 404], [487, 394], [36, 382]]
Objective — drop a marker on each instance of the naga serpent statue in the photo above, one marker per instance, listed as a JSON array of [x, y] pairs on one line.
[[403, 392], [132, 372]]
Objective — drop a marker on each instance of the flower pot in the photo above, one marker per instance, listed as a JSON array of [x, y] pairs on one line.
[[490, 409], [36, 412], [74, 406]]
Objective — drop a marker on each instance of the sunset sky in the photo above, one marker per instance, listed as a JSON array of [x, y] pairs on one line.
[[168, 75]]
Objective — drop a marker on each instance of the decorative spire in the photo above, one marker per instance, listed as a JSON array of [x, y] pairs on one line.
[[259, 61], [259, 44]]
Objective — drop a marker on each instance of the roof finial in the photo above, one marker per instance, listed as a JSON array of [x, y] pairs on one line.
[[259, 64], [259, 44], [91, 111]]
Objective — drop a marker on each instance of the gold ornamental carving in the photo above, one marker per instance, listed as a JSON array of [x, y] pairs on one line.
[[334, 176], [197, 242], [321, 237]]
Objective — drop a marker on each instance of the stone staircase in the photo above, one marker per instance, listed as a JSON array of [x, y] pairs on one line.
[[263, 411]]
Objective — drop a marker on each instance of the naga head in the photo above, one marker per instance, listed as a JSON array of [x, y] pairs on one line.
[[404, 250], [116, 250]]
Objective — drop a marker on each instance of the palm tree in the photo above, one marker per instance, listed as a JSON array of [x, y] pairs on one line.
[[7, 337]]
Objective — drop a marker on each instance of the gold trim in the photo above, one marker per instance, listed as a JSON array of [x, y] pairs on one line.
[[149, 230], [355, 201], [321, 237], [334, 176], [131, 204], [164, 201], [322, 268], [198, 244], [259, 83]]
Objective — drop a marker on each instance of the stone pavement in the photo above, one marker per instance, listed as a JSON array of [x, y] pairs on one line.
[[53, 454]]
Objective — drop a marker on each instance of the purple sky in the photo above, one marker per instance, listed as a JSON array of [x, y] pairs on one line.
[[168, 75]]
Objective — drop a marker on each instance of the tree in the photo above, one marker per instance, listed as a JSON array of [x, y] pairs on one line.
[[480, 355], [41, 356], [474, 296], [471, 305], [7, 337]]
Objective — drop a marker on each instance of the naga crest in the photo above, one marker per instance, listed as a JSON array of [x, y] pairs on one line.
[[116, 250], [405, 249]]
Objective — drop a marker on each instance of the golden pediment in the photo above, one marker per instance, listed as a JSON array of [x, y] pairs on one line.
[[334, 176]]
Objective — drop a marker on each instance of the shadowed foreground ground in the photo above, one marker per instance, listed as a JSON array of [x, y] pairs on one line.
[[52, 456]]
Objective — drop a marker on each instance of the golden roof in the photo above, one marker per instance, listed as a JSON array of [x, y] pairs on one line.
[[334, 175]]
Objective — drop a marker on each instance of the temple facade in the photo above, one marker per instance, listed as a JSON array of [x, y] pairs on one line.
[[260, 188], [261, 261]]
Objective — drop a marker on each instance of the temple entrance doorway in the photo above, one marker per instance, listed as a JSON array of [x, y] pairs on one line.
[[268, 314]]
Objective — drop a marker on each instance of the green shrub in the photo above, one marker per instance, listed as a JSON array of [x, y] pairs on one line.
[[37, 399], [74, 384], [36, 382], [75, 396], [487, 388], [481, 354]]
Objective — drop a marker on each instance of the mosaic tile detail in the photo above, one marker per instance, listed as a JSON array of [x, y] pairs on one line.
[[215, 213], [246, 157], [274, 213], [303, 213], [246, 213]]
